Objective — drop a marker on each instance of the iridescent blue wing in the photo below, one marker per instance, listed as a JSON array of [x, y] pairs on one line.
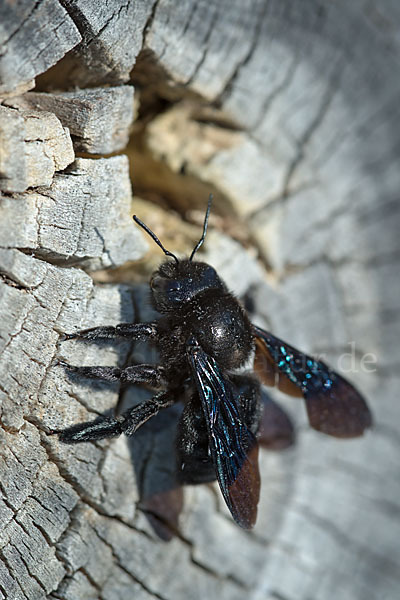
[[333, 405], [233, 446]]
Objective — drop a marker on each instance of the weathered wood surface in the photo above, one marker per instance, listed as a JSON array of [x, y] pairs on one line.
[[99, 120], [68, 223], [112, 36], [314, 176], [33, 37], [33, 146]]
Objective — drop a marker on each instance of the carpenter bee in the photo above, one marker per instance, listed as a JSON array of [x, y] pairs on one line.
[[203, 337]]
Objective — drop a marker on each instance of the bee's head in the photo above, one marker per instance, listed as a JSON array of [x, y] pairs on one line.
[[177, 282]]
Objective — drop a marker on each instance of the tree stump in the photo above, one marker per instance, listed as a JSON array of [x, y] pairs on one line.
[[288, 113]]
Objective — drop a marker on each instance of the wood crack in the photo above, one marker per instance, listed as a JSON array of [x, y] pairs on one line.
[[6, 42], [386, 564], [128, 572], [206, 39], [222, 97], [13, 576]]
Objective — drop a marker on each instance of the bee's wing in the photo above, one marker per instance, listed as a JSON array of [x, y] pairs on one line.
[[276, 430], [233, 447], [333, 405]]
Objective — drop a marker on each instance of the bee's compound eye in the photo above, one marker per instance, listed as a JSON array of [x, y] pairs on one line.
[[164, 285]]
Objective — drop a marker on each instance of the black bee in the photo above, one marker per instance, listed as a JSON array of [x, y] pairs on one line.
[[203, 336]]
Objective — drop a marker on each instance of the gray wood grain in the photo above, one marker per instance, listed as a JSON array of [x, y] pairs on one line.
[[99, 119], [112, 36], [33, 37], [74, 221], [41, 482], [314, 177], [33, 146]]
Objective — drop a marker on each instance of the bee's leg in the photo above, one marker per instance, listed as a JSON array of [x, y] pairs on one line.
[[249, 395], [135, 331], [262, 415], [128, 422], [194, 462], [150, 374]]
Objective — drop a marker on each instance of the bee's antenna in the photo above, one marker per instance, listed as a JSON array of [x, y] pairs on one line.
[[201, 240], [155, 238]]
